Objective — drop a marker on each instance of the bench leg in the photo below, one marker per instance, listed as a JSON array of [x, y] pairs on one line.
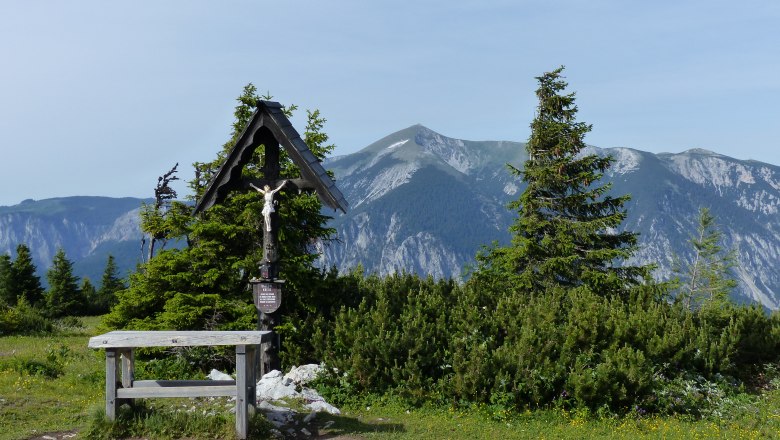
[[242, 402], [111, 367], [128, 373]]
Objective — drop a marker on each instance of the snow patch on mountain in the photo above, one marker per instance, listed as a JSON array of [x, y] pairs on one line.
[[397, 144]]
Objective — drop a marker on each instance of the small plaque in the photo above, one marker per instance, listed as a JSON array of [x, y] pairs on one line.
[[268, 296]]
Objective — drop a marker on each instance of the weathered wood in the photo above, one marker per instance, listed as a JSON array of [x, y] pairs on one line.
[[128, 367], [269, 119], [121, 344], [242, 402], [182, 383], [297, 184], [111, 366], [129, 338], [251, 375], [193, 391]]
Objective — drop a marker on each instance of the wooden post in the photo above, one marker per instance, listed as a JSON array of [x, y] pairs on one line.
[[269, 353], [242, 399], [128, 372], [111, 366], [128, 368], [251, 377]]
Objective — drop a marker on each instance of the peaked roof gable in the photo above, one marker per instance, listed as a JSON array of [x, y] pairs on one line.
[[269, 124]]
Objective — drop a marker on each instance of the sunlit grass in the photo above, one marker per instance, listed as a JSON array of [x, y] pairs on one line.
[[394, 421], [32, 404]]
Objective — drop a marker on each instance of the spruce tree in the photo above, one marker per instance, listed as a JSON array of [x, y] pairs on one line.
[[567, 230], [707, 278], [6, 295], [64, 296], [110, 284], [89, 293], [23, 281]]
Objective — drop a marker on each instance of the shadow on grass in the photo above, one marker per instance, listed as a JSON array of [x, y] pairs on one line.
[[332, 427]]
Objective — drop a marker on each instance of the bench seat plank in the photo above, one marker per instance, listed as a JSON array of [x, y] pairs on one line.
[[130, 338], [182, 383], [194, 391]]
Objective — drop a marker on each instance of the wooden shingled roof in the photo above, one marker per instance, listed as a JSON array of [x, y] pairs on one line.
[[269, 124]]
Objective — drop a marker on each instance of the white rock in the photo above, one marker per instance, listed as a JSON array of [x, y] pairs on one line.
[[304, 374], [272, 387], [323, 406], [310, 395], [309, 417], [272, 374], [305, 432], [218, 375]]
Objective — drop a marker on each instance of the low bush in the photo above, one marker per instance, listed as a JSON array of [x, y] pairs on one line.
[[426, 340], [23, 319], [53, 366]]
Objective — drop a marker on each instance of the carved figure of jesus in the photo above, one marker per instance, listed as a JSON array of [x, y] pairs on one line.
[[268, 202]]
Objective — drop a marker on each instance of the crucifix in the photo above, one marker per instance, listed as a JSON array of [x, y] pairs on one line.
[[268, 201], [270, 128]]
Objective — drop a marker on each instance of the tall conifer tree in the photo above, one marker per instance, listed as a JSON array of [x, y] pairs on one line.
[[6, 296], [23, 281], [64, 296], [707, 279], [567, 230], [110, 284]]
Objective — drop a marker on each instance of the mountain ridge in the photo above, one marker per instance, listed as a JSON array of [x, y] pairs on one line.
[[667, 189], [426, 203]]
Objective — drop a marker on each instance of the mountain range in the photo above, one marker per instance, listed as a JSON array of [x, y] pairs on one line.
[[426, 203]]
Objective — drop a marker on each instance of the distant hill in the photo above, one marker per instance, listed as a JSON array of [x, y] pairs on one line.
[[87, 228], [425, 203]]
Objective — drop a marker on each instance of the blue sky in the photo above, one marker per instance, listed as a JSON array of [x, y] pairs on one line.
[[100, 98]]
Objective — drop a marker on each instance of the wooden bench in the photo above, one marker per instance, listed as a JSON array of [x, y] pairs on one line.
[[121, 345]]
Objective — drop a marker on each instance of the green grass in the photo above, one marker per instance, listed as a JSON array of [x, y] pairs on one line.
[[55, 383], [33, 401], [394, 421]]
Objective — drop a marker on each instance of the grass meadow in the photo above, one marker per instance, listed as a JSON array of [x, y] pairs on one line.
[[54, 384]]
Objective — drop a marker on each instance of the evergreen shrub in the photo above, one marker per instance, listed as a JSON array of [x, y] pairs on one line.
[[23, 319], [435, 340]]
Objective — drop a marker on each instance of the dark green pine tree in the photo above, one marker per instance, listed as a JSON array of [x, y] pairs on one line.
[[92, 304], [64, 296], [567, 232], [110, 284], [6, 295], [23, 281]]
